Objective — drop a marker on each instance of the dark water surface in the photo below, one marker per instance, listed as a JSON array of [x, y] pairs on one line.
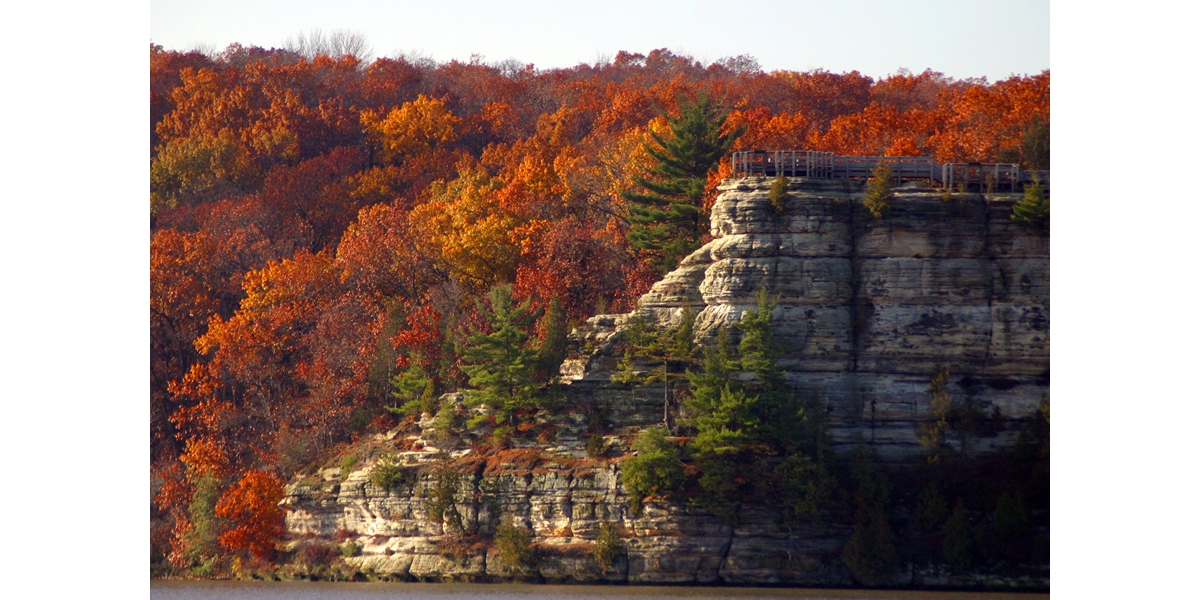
[[306, 590]]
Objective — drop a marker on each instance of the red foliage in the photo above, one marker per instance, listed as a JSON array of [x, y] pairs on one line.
[[363, 211], [255, 517]]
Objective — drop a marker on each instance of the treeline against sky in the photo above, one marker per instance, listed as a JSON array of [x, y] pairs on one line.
[[319, 223]]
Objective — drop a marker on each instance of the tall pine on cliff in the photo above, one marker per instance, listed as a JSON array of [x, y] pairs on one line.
[[667, 219], [500, 364]]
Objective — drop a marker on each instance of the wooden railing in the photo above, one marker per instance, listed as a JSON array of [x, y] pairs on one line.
[[997, 177]]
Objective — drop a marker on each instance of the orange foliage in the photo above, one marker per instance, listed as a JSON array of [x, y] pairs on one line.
[[412, 132], [309, 212], [252, 508]]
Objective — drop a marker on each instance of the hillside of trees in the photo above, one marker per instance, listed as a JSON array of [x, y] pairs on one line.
[[328, 236]]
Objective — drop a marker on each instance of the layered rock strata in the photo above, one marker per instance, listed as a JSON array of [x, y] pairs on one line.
[[867, 309]]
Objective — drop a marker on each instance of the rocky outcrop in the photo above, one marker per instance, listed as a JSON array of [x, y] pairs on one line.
[[867, 309]]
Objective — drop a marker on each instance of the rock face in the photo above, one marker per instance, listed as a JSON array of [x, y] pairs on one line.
[[867, 309]]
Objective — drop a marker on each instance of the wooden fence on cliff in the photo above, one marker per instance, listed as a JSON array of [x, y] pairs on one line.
[[998, 177]]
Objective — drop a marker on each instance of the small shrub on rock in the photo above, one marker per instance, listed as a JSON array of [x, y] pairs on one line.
[[514, 545], [597, 447], [778, 197], [608, 545], [1034, 207], [389, 473], [879, 190]]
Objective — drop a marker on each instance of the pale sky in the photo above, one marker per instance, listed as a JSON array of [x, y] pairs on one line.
[[975, 38]]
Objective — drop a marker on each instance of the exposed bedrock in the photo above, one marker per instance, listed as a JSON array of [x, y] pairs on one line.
[[869, 307]]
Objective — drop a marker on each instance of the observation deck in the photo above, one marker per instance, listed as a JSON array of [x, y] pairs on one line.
[[998, 177]]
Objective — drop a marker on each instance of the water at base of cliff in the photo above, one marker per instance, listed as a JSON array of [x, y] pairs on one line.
[[303, 590]]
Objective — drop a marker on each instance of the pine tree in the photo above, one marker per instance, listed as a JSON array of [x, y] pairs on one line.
[[655, 469], [554, 341], [1034, 208], [780, 411], [415, 389], [879, 190], [668, 219], [500, 364], [666, 351]]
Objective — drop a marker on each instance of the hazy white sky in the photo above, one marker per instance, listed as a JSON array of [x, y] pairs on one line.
[[961, 38]]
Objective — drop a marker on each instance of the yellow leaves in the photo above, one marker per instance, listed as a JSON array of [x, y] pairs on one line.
[[205, 455], [375, 185], [199, 169], [416, 128], [279, 142], [468, 221]]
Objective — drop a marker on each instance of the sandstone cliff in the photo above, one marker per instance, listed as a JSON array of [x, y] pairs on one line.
[[867, 309]]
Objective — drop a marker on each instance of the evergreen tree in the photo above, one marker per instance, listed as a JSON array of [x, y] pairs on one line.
[[668, 218], [879, 190], [655, 469], [781, 411], [1035, 145], [956, 543], [666, 351], [414, 388], [741, 427], [500, 364], [1034, 208], [554, 341]]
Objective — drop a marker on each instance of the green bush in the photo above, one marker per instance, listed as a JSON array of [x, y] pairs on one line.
[[347, 464], [350, 549], [608, 545], [446, 422], [1034, 207], [514, 546], [201, 542], [388, 473], [879, 190], [596, 446], [778, 197], [655, 469]]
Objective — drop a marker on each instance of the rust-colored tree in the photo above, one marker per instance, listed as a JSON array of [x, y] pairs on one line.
[[255, 517]]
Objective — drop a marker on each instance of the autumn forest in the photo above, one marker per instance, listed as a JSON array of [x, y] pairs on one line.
[[328, 235]]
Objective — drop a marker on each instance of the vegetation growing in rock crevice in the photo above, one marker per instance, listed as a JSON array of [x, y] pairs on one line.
[[777, 196], [388, 473], [608, 545], [880, 196], [654, 470], [514, 546]]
